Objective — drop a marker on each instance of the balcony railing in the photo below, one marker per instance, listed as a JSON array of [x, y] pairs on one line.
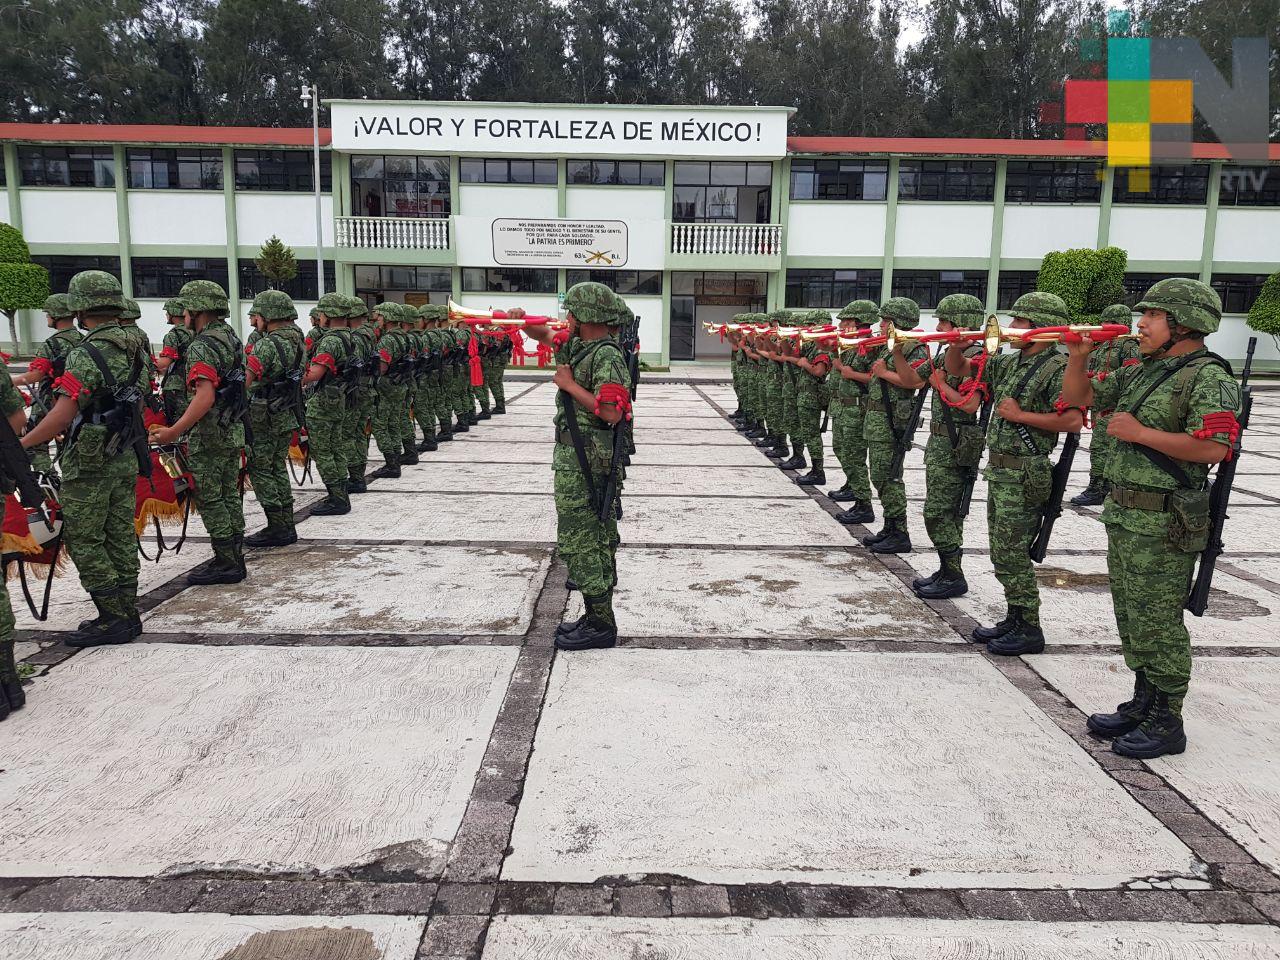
[[727, 239], [392, 233]]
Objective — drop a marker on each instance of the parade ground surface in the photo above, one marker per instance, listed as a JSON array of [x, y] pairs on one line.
[[369, 750]]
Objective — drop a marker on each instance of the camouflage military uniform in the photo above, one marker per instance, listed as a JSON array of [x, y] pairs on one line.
[[327, 413], [464, 400], [173, 384], [1104, 363], [438, 409], [316, 333], [848, 412], [50, 360], [812, 398], [12, 696], [499, 357], [408, 374], [364, 349], [389, 407]]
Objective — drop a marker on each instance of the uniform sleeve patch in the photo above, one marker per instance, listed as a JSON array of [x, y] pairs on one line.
[[1229, 393]]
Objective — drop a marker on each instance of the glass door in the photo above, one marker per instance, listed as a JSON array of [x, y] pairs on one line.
[[682, 328]]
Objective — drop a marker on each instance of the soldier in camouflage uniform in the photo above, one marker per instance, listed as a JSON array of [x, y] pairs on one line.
[[214, 425], [172, 362], [788, 350], [889, 406], [47, 365], [407, 317], [848, 413], [499, 357], [327, 407], [275, 392], [484, 345], [1104, 363], [364, 348], [809, 367], [1176, 415], [99, 466], [464, 401], [316, 331], [439, 409], [592, 376], [12, 696], [1028, 415], [775, 445], [389, 406]]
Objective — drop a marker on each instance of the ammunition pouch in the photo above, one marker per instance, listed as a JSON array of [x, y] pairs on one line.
[[230, 402], [1188, 511]]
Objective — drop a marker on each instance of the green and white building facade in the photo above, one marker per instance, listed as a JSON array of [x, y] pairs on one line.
[[692, 213]]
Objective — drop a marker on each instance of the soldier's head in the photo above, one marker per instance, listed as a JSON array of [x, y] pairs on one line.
[[385, 315], [857, 314], [433, 314], [592, 309], [332, 310], [95, 297], [1035, 310], [900, 312], [272, 308], [131, 313], [1176, 310], [1117, 313], [173, 312], [58, 313], [203, 301], [314, 315], [959, 311], [357, 311]]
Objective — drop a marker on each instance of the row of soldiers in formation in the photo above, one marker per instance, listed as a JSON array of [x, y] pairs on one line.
[[1164, 411]]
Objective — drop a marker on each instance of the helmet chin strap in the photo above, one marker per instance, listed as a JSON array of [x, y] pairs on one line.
[[1176, 335]]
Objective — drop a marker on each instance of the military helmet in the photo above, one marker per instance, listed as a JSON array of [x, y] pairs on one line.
[[333, 305], [57, 307], [173, 307], [962, 310], [433, 311], [390, 312], [313, 312], [204, 296], [814, 318], [863, 311], [92, 291], [778, 318], [1042, 309], [273, 305], [356, 307], [902, 312], [592, 302], [1190, 303], [131, 312], [1117, 313]]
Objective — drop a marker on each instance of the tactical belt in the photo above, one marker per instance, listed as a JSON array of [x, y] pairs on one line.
[[1140, 499], [938, 428], [1006, 460], [563, 436], [875, 406], [848, 401]]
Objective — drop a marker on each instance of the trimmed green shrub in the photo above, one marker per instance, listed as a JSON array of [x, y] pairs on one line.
[[1264, 315], [1086, 280], [23, 285]]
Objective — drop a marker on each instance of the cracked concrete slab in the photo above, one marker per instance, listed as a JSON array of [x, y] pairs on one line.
[[396, 589], [206, 936], [471, 516], [264, 761], [1233, 731], [924, 770], [691, 520]]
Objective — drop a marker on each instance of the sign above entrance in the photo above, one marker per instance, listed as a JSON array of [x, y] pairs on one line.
[[535, 129], [560, 243]]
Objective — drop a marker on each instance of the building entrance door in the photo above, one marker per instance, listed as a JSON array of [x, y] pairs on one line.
[[699, 297]]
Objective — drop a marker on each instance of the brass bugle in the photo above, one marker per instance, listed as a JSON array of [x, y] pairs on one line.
[[496, 317]]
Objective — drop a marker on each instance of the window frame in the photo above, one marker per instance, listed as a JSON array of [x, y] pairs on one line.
[[488, 273], [61, 272], [1133, 292], [1081, 173], [972, 282], [614, 280], [1231, 292], [540, 168], [99, 159], [828, 282], [202, 268], [301, 287], [383, 285], [283, 182], [1004, 302], [173, 164], [859, 170], [946, 176], [1158, 196], [1235, 190], [595, 174], [433, 204]]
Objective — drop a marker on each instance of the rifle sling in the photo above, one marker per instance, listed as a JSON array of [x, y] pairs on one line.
[[1023, 434]]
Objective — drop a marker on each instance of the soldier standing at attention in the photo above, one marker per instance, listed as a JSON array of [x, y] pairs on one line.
[[364, 349], [889, 405], [1175, 416], [1105, 362], [440, 409], [848, 414], [499, 357], [316, 332], [407, 320], [172, 362], [214, 423], [464, 401], [389, 401], [12, 696], [424, 413], [811, 363], [49, 363], [327, 407], [275, 398], [100, 465], [1028, 415]]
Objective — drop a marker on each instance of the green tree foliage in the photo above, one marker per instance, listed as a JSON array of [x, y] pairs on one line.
[[1087, 280], [1264, 315], [276, 262], [23, 285]]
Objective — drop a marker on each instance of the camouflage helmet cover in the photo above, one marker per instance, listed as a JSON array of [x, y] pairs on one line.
[[1116, 313], [173, 307], [863, 311], [131, 312], [204, 296], [1190, 303], [433, 311], [57, 307], [333, 305], [273, 305], [94, 290], [962, 310], [356, 307], [592, 302], [776, 318], [1042, 309], [815, 318], [390, 312], [313, 312], [902, 312]]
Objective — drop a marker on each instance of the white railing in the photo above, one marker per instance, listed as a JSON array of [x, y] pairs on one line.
[[727, 239], [391, 233]]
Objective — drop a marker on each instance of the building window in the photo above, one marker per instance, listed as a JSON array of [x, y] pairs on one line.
[[927, 287], [374, 280], [1182, 184], [1238, 290], [947, 180], [1136, 284], [1053, 181], [491, 170], [67, 166], [282, 170], [301, 287], [628, 283], [157, 278], [400, 186], [631, 173], [174, 169], [721, 192], [507, 280], [839, 179], [62, 269], [1012, 284], [831, 289], [1249, 187]]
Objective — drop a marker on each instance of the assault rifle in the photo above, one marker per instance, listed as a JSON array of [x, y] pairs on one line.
[[907, 440], [623, 447], [1052, 509], [971, 473], [16, 472], [1220, 496]]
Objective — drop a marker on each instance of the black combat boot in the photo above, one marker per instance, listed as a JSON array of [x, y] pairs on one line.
[[128, 593], [225, 567], [949, 581], [768, 441], [737, 414], [1093, 494], [499, 409], [1024, 638], [445, 435], [12, 696], [996, 630], [814, 478], [797, 461], [429, 444], [115, 626], [860, 512], [597, 630], [388, 471], [461, 426], [355, 479], [896, 538], [1159, 733], [102, 614], [757, 432], [843, 495], [1129, 715], [779, 451], [877, 537], [570, 584], [279, 531], [335, 504], [409, 455], [483, 415], [919, 582]]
